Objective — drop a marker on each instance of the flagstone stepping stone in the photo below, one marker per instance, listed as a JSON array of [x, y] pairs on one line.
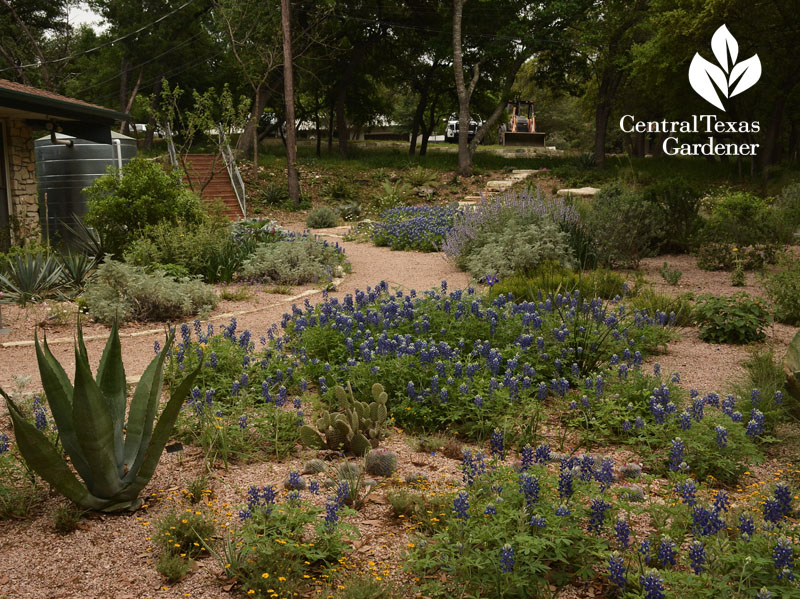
[[579, 191]]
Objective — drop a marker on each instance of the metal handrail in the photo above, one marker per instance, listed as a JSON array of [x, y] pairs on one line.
[[233, 172], [173, 154]]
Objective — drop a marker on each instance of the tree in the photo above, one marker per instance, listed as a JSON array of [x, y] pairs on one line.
[[288, 93]]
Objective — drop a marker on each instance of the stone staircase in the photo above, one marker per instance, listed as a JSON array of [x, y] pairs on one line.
[[499, 186], [203, 167]]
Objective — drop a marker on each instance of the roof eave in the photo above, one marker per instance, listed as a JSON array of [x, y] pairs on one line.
[[59, 108]]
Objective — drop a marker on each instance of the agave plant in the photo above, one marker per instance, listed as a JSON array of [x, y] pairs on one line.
[[113, 458], [77, 268], [31, 277]]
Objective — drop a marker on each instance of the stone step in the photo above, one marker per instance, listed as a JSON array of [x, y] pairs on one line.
[[501, 185], [586, 192]]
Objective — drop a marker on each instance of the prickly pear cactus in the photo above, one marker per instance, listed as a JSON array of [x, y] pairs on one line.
[[381, 462], [311, 438], [791, 367]]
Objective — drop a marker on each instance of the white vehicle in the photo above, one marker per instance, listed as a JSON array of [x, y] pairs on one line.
[[451, 131]]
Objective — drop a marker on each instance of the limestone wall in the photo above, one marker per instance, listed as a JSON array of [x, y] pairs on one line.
[[24, 209]]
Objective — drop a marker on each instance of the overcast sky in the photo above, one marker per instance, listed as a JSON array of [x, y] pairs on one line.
[[81, 14]]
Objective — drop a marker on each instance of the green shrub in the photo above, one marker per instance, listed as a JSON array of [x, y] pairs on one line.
[[783, 290], [31, 278], [293, 262], [274, 195], [671, 276], [625, 227], [554, 278], [173, 567], [653, 302], [788, 203], [118, 209], [322, 217], [340, 190], [66, 519], [184, 532], [130, 293], [763, 387], [675, 205], [737, 319], [520, 250], [392, 195]]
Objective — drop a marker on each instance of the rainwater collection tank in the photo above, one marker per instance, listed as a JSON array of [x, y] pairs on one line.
[[63, 171]]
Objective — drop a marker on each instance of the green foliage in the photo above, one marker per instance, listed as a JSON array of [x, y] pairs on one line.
[[76, 268], [546, 556], [737, 319], [763, 386], [675, 207], [652, 302], [276, 546], [198, 488], [554, 278], [90, 415], [31, 278], [293, 262], [120, 208], [66, 519], [322, 217], [520, 250], [671, 276], [783, 290], [420, 177], [791, 367], [274, 195], [340, 190], [173, 567], [745, 223], [184, 532], [129, 292], [625, 228], [788, 202], [365, 586], [19, 492], [392, 195]]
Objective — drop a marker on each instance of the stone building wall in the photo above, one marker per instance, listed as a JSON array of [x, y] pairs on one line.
[[24, 208]]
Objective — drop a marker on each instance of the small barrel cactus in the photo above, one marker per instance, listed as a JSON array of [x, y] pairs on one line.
[[381, 462], [630, 471], [631, 492], [315, 466], [348, 470]]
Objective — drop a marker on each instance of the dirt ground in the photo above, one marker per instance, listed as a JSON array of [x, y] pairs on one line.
[[112, 556]]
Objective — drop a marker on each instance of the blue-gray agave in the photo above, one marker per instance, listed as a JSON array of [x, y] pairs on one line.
[[114, 459]]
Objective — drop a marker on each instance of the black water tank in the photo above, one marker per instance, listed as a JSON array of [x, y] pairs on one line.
[[62, 172]]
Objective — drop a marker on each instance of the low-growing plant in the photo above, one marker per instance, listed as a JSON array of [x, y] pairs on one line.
[[653, 302], [783, 290], [198, 488], [392, 195], [420, 177], [31, 278], [421, 228], [737, 319], [114, 458], [274, 195], [624, 227], [236, 293], [173, 567], [19, 491], [671, 276], [294, 262], [322, 217], [66, 519], [554, 278], [184, 533], [125, 292]]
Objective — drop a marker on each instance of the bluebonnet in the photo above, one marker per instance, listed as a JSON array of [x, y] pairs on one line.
[[782, 556], [598, 515], [605, 474], [666, 551], [706, 522], [527, 457], [676, 377], [565, 484], [676, 454], [497, 444], [755, 397], [778, 398], [638, 423], [562, 510], [644, 551], [461, 506], [313, 487], [507, 558], [39, 415], [529, 487], [685, 420], [490, 510], [616, 570], [156, 347], [746, 526], [764, 593], [653, 585], [657, 369], [697, 408], [3, 443], [772, 510], [243, 421], [755, 426], [783, 495], [537, 521], [722, 436], [472, 466], [697, 556], [622, 531], [721, 501]]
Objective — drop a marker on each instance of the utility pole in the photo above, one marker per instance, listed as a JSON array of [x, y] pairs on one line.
[[288, 95]]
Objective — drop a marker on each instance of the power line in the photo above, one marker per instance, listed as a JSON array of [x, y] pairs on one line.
[[101, 46]]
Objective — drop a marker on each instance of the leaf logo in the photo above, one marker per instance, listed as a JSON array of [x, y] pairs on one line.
[[730, 78]]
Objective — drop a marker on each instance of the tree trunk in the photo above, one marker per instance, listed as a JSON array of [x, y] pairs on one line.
[[123, 82], [464, 157], [426, 131], [316, 126], [288, 92], [608, 87], [151, 121], [419, 114], [341, 120], [769, 153]]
